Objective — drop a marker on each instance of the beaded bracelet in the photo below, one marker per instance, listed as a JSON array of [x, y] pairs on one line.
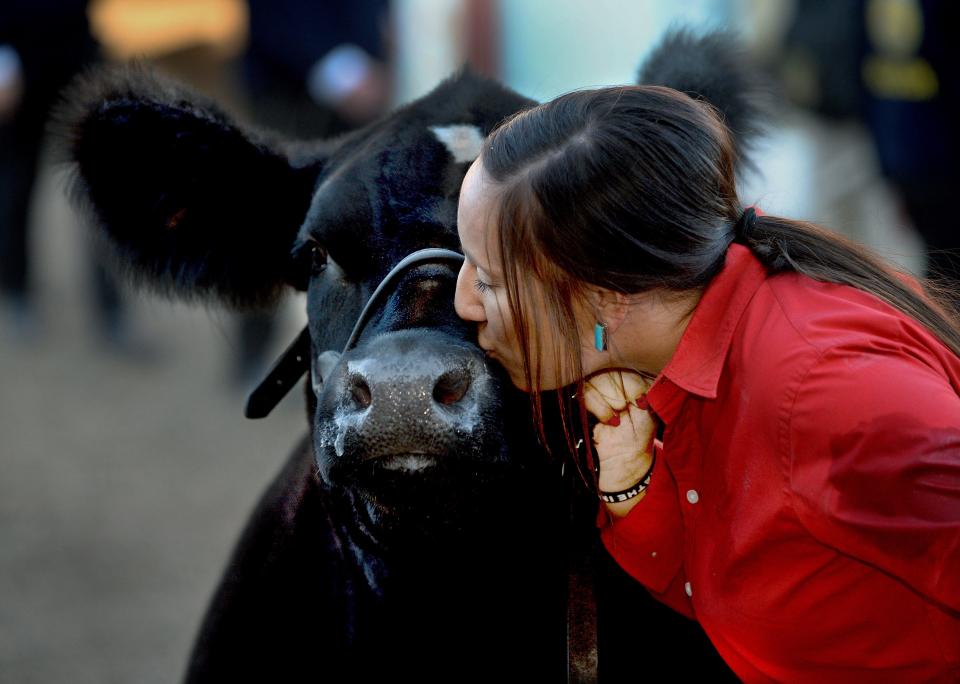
[[635, 490]]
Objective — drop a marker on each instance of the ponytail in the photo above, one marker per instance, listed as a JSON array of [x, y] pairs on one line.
[[785, 245]]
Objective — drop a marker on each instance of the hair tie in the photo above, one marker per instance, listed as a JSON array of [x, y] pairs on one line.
[[745, 225]]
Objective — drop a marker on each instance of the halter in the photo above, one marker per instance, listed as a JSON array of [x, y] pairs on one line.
[[295, 360]]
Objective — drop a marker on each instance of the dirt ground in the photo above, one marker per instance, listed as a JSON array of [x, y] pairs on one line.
[[124, 479]]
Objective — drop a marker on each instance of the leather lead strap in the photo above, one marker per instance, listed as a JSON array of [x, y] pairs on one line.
[[286, 371], [581, 621], [581, 547]]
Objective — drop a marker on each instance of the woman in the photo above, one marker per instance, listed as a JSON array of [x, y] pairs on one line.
[[804, 503]]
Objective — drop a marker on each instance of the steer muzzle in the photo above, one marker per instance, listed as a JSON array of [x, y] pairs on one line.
[[415, 404]]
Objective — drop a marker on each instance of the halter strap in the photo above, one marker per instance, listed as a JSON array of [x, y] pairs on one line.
[[295, 360]]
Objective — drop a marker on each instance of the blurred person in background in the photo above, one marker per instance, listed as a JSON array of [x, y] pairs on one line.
[[317, 69], [43, 43], [883, 66], [301, 68], [911, 92], [310, 70]]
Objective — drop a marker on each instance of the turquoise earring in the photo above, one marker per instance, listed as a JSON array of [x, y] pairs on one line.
[[600, 337]]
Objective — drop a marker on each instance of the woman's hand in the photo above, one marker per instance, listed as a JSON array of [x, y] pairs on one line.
[[624, 437], [607, 394]]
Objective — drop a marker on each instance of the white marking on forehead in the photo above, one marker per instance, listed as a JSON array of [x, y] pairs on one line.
[[463, 141]]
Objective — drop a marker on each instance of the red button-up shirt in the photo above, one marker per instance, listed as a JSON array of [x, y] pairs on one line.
[[805, 506]]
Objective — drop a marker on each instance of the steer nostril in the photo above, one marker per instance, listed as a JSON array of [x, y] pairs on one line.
[[451, 387], [360, 392]]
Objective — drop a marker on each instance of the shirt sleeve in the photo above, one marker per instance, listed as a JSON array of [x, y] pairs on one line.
[[874, 458], [648, 541]]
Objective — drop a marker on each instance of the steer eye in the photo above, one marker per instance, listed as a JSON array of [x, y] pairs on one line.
[[309, 259], [318, 258]]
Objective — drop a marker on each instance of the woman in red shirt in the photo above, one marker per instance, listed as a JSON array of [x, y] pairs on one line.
[[802, 498]]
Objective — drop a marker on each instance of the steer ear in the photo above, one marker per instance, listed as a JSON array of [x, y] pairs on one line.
[[193, 205]]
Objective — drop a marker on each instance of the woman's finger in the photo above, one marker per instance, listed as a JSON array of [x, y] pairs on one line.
[[607, 394], [631, 437]]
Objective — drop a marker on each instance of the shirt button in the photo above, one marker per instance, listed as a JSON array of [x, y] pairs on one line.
[[692, 496], [687, 587]]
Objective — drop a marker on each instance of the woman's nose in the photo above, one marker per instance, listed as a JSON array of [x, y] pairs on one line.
[[466, 301]]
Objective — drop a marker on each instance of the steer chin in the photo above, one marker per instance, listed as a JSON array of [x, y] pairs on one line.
[[443, 500]]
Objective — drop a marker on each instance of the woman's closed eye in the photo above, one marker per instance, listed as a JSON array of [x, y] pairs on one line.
[[481, 286]]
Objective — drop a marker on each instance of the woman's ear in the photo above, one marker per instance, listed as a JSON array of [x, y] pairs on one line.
[[611, 307]]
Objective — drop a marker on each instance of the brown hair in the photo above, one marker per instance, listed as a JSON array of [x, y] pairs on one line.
[[634, 189]]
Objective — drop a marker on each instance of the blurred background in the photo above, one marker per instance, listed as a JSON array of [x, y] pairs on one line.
[[126, 467]]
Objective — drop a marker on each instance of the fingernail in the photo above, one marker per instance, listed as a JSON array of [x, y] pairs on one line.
[[642, 402], [614, 420]]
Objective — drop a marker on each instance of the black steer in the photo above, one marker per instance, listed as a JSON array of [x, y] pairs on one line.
[[420, 530]]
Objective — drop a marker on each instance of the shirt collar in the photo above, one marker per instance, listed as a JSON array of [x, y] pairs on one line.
[[696, 364]]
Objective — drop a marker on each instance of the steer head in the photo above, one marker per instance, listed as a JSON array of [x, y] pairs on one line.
[[408, 425]]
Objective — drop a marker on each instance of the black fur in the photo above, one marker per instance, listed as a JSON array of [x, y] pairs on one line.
[[714, 67], [194, 205]]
